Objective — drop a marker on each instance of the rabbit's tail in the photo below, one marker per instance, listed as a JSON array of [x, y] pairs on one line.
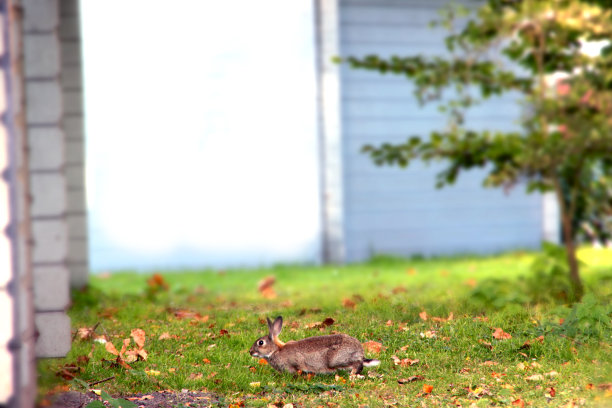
[[370, 362]]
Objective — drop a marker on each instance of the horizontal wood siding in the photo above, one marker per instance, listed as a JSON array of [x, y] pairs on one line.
[[399, 211]]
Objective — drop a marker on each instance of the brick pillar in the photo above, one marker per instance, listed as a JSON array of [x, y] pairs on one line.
[[18, 385], [47, 165]]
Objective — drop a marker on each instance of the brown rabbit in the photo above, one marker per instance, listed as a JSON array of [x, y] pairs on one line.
[[320, 354]]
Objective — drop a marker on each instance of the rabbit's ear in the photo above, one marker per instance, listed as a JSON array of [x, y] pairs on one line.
[[276, 327], [269, 325]]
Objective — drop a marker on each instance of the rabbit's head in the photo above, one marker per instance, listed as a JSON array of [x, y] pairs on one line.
[[265, 346]]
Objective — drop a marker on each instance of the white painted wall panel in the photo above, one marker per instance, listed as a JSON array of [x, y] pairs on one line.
[[399, 211]]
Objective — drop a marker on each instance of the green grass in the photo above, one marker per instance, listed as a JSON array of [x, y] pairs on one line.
[[211, 353]]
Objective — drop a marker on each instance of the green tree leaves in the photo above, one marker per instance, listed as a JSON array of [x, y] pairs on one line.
[[538, 50]]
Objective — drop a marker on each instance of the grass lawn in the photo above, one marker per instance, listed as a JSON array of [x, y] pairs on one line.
[[432, 323]]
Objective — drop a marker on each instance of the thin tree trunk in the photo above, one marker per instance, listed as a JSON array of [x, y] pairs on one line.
[[570, 248], [572, 260]]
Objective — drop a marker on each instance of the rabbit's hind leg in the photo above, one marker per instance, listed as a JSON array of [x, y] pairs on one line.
[[356, 367]]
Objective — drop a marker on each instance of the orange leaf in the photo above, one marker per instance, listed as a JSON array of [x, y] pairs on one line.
[[427, 389], [373, 346], [164, 336], [404, 362], [111, 348], [266, 283], [126, 342], [499, 334], [528, 343], [423, 315], [263, 361], [139, 337], [519, 402], [348, 303], [122, 363], [206, 361], [157, 282], [142, 353], [85, 333], [268, 293], [552, 391]]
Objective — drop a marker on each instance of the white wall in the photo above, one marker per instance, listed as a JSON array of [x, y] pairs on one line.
[[201, 133]]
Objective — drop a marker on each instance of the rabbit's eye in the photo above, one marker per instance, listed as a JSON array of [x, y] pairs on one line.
[[260, 343]]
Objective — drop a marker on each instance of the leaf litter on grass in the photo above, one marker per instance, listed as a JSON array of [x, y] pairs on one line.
[[448, 350]]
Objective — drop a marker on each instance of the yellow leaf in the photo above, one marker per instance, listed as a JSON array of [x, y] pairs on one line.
[[97, 392], [154, 373]]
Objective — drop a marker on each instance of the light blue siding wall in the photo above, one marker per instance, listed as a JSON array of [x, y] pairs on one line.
[[399, 211]]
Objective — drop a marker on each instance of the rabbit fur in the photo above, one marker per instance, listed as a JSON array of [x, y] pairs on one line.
[[320, 354]]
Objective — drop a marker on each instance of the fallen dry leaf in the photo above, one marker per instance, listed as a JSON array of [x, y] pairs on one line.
[[321, 325], [111, 348], [188, 314], [528, 343], [404, 362], [552, 391], [206, 361], [139, 337], [122, 363], [485, 344], [265, 287], [423, 315], [85, 333], [153, 372], [535, 377], [519, 402], [373, 346], [427, 389], [450, 317], [268, 293], [166, 336], [157, 283], [126, 342], [410, 379], [348, 303], [196, 376], [262, 361], [429, 334], [499, 334]]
